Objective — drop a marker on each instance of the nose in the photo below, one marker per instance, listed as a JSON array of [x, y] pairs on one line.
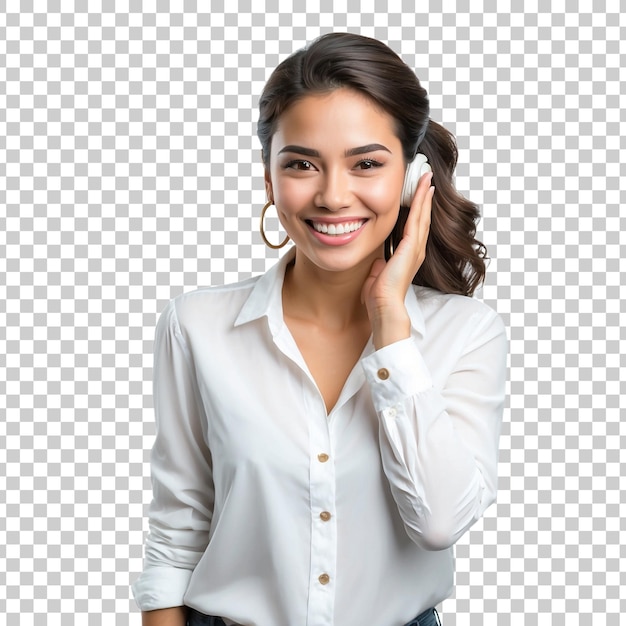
[[335, 191]]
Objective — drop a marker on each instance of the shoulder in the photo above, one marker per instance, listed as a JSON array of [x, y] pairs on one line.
[[208, 307], [458, 314]]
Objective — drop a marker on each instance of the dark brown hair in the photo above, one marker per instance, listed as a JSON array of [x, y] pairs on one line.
[[454, 260]]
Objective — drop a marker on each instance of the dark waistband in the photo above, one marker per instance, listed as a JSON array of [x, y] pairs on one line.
[[427, 618], [195, 618]]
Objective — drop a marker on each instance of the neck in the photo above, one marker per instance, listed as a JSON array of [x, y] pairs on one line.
[[329, 299]]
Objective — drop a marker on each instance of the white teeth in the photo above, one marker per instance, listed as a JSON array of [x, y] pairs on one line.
[[337, 229]]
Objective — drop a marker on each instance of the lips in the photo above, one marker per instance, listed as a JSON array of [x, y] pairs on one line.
[[333, 229]]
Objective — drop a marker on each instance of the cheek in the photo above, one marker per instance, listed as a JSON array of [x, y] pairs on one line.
[[382, 195], [291, 194]]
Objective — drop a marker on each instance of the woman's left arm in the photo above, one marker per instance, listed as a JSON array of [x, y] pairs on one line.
[[439, 447]]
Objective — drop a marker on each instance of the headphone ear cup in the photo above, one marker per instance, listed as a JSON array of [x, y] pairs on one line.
[[414, 171], [410, 183]]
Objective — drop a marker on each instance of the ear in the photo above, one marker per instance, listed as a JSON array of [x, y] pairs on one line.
[[269, 191]]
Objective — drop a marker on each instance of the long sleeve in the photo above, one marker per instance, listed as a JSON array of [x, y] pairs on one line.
[[181, 509], [439, 443]]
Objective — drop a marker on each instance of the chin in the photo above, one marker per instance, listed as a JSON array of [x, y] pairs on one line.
[[341, 260]]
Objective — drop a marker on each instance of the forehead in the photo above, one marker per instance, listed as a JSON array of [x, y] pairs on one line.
[[343, 116]]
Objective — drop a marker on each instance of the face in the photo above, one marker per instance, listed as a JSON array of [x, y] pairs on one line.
[[335, 175]]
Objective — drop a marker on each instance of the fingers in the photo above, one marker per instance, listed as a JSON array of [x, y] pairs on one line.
[[425, 213]]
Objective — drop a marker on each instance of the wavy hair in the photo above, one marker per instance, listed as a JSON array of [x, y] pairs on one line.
[[455, 259]]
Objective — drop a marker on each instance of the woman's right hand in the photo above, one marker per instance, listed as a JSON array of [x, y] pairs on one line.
[[176, 616]]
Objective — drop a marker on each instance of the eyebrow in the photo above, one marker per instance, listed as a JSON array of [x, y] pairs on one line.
[[300, 150], [371, 147]]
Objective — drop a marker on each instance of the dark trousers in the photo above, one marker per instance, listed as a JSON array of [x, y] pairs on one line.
[[195, 618]]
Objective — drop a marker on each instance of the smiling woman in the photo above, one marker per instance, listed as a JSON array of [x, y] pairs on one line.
[[327, 431]]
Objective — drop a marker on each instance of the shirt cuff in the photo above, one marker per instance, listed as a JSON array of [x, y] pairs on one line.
[[161, 587], [396, 372]]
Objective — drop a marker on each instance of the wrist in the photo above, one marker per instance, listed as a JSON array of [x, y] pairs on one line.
[[388, 329]]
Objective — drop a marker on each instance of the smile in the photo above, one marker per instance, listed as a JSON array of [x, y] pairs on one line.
[[336, 229]]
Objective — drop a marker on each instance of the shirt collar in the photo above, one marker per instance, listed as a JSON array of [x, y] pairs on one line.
[[266, 297], [266, 300]]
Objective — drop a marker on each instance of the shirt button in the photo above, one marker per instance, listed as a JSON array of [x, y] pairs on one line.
[[322, 458], [324, 579], [383, 373], [325, 516]]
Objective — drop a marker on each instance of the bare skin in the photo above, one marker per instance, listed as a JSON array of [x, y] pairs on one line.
[[176, 616], [330, 346]]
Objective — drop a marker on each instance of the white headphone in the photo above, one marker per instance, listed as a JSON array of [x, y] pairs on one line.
[[414, 171]]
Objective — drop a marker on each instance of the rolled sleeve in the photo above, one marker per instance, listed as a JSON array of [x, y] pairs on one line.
[[161, 587], [181, 509]]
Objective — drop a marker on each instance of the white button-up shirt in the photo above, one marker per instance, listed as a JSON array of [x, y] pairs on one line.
[[268, 511]]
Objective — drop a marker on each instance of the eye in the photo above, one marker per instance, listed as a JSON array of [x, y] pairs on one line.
[[300, 165], [368, 164]]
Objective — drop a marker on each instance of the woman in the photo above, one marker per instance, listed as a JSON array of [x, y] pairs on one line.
[[327, 431]]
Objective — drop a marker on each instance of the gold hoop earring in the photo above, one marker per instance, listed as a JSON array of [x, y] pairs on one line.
[[273, 246]]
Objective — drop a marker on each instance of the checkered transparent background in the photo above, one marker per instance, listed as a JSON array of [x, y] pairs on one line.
[[130, 172]]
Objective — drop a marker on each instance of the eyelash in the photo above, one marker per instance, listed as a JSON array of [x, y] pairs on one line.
[[372, 163], [290, 165]]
